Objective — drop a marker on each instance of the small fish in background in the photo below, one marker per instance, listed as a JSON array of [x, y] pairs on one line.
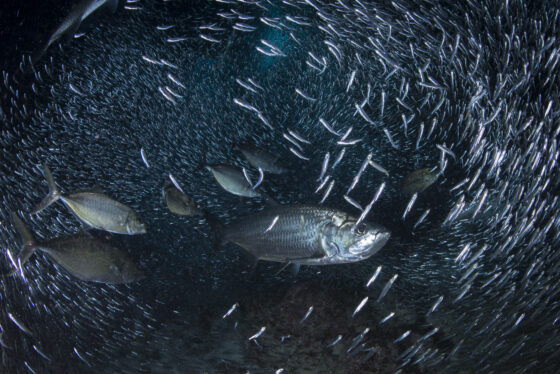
[[85, 257], [72, 22], [260, 158], [95, 209], [179, 203], [305, 235], [231, 179], [419, 180]]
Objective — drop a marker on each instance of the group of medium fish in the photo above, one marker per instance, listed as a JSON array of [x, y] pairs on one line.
[[289, 234], [298, 235]]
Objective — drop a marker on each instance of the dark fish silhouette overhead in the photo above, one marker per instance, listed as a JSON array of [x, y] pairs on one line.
[[72, 22], [85, 257], [305, 235]]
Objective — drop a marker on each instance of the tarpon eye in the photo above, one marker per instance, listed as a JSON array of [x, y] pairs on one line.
[[361, 229]]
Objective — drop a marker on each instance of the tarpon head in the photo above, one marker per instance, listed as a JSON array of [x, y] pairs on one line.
[[350, 242], [135, 225]]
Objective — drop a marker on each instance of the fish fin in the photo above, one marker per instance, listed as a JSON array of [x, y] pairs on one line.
[[295, 269], [85, 231], [29, 246], [253, 265], [73, 29], [53, 194], [282, 268], [38, 53], [218, 229], [112, 5]]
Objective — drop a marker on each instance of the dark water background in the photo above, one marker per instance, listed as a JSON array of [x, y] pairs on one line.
[[172, 321]]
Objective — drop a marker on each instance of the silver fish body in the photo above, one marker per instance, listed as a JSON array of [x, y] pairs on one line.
[[178, 202], [95, 209], [85, 257], [91, 259], [306, 235], [260, 158], [232, 180]]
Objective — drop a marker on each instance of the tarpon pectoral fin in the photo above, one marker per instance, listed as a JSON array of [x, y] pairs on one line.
[[295, 269], [282, 268], [254, 261]]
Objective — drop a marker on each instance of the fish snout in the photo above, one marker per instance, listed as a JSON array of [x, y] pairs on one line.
[[371, 243]]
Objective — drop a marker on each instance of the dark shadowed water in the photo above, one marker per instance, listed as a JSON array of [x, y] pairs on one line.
[[472, 87]]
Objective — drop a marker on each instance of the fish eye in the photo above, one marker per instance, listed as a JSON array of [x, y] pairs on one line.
[[361, 229]]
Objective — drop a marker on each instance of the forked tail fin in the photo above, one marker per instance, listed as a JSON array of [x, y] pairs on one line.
[[28, 242], [53, 194]]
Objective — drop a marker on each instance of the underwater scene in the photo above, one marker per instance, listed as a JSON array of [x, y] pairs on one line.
[[291, 186]]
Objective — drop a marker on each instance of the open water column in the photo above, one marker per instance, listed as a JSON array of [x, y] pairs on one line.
[[437, 120]]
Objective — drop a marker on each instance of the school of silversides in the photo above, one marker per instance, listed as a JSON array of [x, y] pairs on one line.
[[290, 186]]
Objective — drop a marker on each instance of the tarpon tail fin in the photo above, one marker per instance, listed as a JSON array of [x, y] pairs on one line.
[[53, 195], [28, 242], [217, 228]]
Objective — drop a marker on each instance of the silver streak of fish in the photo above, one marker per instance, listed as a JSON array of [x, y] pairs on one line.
[[307, 314], [360, 306], [410, 204], [324, 166], [387, 287], [272, 224], [258, 334], [175, 183], [327, 192], [231, 310], [374, 276]]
